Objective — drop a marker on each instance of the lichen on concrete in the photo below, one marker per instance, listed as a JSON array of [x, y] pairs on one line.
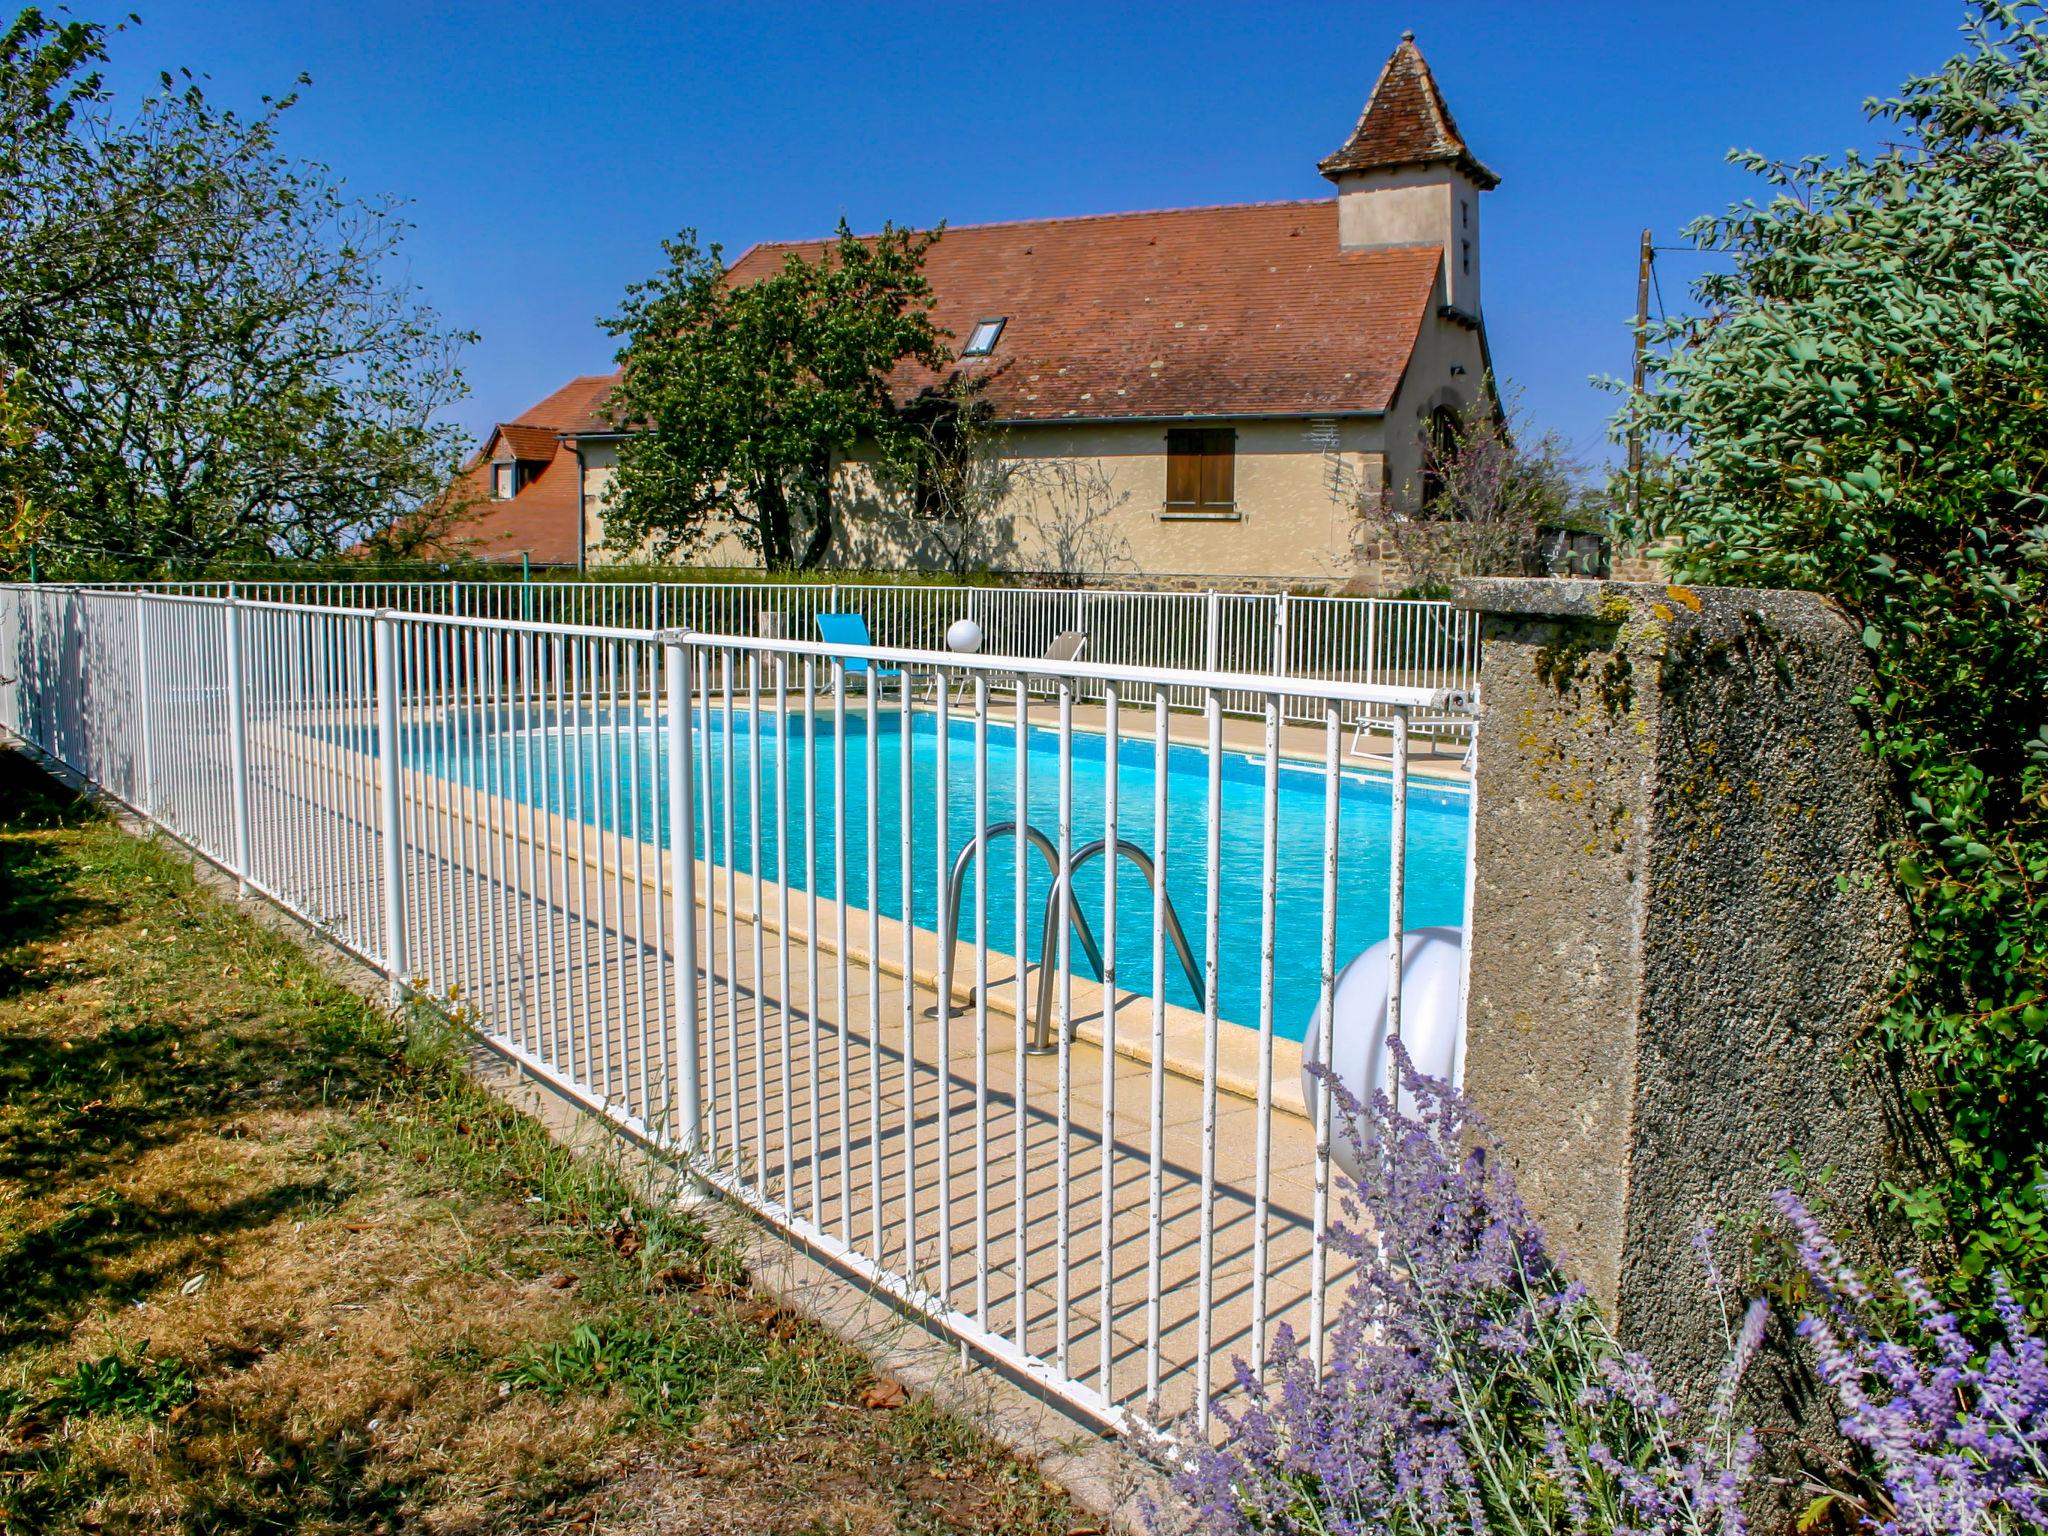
[[1681, 925]]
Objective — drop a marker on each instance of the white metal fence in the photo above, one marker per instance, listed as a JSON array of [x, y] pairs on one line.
[[808, 918], [1400, 642]]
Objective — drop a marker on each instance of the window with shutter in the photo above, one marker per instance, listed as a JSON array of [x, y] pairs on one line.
[[1201, 469]]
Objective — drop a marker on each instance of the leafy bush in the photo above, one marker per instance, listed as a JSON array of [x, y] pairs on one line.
[[1859, 410], [1469, 1386]]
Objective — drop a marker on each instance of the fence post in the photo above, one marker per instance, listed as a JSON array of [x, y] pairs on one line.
[[395, 965], [1280, 634], [1681, 925], [148, 785], [1212, 641], [238, 745], [682, 858]]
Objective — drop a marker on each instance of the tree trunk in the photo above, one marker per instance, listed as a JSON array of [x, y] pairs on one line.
[[821, 522], [771, 508]]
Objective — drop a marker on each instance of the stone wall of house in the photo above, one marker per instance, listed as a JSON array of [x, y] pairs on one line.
[[1637, 565], [1088, 498], [1087, 502]]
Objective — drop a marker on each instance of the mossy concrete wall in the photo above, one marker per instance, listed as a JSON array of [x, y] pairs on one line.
[[1681, 924]]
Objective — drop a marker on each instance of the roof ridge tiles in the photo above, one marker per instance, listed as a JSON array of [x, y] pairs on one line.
[[1067, 218]]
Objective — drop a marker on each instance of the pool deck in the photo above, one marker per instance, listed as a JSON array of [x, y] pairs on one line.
[[835, 1090]]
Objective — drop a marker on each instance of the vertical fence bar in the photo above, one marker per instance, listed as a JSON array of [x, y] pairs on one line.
[[1323, 1099], [682, 854], [145, 790], [238, 746], [1205, 1307], [1262, 1174], [387, 789], [1397, 887]]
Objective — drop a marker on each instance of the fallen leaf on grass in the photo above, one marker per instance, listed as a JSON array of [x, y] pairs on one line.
[[884, 1394]]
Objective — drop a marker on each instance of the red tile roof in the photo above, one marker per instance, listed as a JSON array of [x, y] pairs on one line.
[[544, 520], [1405, 122], [1240, 310], [528, 442], [567, 406]]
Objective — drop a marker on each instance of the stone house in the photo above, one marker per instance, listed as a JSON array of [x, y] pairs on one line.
[[1189, 394]]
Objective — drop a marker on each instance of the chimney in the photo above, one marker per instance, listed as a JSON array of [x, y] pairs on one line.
[[1406, 177]]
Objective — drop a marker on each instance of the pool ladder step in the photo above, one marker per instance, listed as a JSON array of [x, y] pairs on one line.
[[1042, 1042]]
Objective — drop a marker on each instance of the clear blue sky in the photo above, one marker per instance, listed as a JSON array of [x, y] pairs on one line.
[[546, 150]]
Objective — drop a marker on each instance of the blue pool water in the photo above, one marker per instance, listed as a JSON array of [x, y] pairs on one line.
[[595, 771]]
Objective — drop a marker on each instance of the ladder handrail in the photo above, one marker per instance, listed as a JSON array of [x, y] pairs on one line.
[[956, 887], [1041, 1034], [1041, 1042]]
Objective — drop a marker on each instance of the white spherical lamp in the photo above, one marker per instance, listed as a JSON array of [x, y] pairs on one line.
[[964, 636], [1432, 972]]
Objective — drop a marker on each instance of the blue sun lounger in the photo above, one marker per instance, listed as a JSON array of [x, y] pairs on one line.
[[852, 629]]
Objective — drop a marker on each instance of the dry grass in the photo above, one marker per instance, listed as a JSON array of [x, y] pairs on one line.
[[269, 1262]]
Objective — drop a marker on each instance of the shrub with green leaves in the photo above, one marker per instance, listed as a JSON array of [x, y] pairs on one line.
[[1861, 408]]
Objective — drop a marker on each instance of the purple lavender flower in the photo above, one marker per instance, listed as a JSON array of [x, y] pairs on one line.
[[1467, 1384], [1958, 1433]]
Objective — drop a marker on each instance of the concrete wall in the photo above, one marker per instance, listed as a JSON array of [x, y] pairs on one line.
[[1680, 925]]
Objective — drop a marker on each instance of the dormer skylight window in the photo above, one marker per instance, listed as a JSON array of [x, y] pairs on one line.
[[983, 341], [504, 482]]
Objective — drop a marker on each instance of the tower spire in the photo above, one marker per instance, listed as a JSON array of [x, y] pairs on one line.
[[1405, 123]]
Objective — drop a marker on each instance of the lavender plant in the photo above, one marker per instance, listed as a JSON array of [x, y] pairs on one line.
[[1467, 1385], [1957, 1435]]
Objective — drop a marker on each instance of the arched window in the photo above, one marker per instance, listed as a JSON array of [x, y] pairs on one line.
[[1440, 437]]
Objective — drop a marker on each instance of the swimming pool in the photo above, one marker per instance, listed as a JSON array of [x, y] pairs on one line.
[[594, 770]]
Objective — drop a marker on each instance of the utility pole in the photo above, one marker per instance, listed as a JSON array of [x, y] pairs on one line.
[[1644, 256]]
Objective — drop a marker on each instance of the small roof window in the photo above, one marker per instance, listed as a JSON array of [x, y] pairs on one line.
[[983, 341]]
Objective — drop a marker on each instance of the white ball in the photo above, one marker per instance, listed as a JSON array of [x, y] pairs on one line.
[[964, 636], [1432, 1028]]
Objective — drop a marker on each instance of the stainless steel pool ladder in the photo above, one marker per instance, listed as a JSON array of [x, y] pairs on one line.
[[1041, 1034]]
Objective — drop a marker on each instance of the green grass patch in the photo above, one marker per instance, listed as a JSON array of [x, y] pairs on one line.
[[270, 1260]]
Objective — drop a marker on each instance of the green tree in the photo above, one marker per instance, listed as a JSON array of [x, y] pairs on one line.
[[1861, 408], [743, 399], [208, 351]]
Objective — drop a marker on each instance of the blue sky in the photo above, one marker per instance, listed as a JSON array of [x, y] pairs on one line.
[[547, 150]]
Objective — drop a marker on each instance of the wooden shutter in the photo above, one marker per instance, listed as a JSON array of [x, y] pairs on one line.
[[1183, 467], [1219, 465]]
